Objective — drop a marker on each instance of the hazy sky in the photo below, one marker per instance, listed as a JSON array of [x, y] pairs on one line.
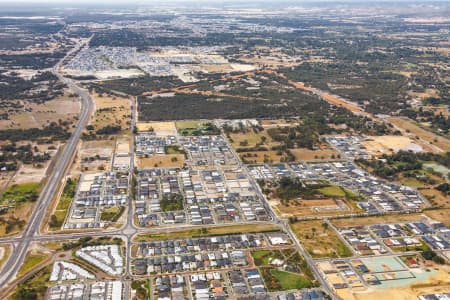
[[196, 1]]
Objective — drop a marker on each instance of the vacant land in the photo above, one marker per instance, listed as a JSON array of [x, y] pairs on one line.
[[188, 124], [96, 154], [32, 260], [336, 100], [255, 147], [160, 128], [250, 138], [111, 111], [438, 283], [5, 251], [387, 144], [430, 141], [17, 202], [436, 198], [112, 214], [260, 157], [278, 280], [59, 215], [351, 222], [34, 115], [320, 240], [161, 161], [440, 215], [219, 230], [307, 154]]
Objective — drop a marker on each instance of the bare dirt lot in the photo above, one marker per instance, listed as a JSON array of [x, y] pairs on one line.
[[22, 212], [39, 115], [161, 161], [247, 142], [160, 128], [435, 197], [440, 215], [351, 222], [95, 154], [307, 154], [428, 140], [111, 110], [387, 144], [438, 283], [35, 172], [5, 179], [319, 207], [320, 240], [277, 123]]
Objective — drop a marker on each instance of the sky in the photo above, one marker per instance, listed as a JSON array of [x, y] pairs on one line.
[[196, 1]]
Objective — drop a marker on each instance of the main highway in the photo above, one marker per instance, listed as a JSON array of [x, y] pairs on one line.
[[64, 160]]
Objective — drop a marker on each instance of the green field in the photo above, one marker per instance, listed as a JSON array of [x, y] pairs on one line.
[[21, 193], [35, 286], [112, 214], [211, 231], [332, 191], [278, 280], [290, 281], [31, 261], [337, 191], [58, 217], [196, 127], [262, 257]]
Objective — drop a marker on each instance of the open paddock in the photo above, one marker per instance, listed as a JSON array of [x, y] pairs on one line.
[[35, 115], [320, 240], [210, 231], [307, 154], [388, 144], [160, 128], [429, 140], [110, 110], [386, 219], [161, 161]]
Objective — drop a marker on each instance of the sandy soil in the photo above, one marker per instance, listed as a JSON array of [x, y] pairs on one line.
[[438, 283], [276, 123], [65, 109], [260, 156], [88, 149], [387, 144], [108, 74], [428, 140], [428, 93], [111, 111], [22, 212], [307, 154], [242, 67], [161, 161], [160, 128], [436, 197], [317, 240], [5, 178], [440, 215], [351, 222], [217, 68]]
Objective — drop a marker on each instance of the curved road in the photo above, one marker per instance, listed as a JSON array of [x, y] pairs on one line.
[[15, 261]]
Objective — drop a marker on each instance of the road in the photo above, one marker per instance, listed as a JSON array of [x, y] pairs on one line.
[[14, 262]]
